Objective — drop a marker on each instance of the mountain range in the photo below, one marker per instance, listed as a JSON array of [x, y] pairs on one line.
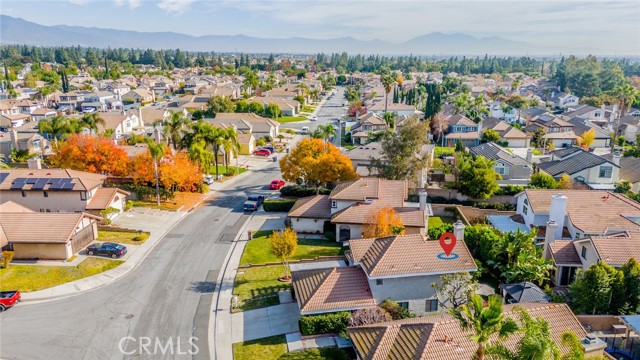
[[18, 31]]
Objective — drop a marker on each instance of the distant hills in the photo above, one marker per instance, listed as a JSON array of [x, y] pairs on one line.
[[19, 31]]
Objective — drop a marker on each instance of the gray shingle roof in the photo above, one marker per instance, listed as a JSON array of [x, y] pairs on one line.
[[573, 164], [564, 152], [581, 125], [526, 292], [494, 152]]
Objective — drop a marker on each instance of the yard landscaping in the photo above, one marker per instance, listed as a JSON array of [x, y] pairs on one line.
[[267, 348], [443, 150], [28, 278], [435, 221], [288, 119], [258, 250], [258, 287], [181, 201], [233, 170], [121, 237]]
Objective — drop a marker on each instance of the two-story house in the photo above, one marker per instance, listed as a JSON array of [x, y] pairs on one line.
[[365, 125], [509, 134], [562, 100], [583, 167], [123, 123], [557, 131], [461, 128], [400, 267], [509, 166]]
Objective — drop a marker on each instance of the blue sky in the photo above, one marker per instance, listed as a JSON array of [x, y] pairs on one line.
[[610, 27]]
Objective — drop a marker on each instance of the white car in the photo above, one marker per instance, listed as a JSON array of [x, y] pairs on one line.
[[305, 129], [314, 118], [208, 179]]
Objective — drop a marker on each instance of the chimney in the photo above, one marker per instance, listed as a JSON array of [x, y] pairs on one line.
[[530, 156], [549, 238], [14, 139], [458, 230], [480, 128], [34, 164], [616, 158], [422, 195], [140, 122], [558, 212]]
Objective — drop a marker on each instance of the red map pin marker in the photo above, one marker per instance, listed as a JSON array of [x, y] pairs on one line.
[[447, 242]]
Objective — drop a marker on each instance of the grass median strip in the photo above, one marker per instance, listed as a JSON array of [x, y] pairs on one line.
[[258, 250], [288, 119], [28, 278], [269, 348], [120, 237]]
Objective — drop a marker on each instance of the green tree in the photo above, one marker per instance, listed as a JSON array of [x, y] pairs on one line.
[[157, 152], [284, 244], [230, 144], [219, 104], [536, 343], [490, 135], [59, 127], [324, 132], [455, 289], [518, 102], [631, 272], [172, 128], [388, 82], [433, 102], [91, 122], [477, 178], [541, 180], [273, 111], [591, 290], [402, 157], [484, 322]]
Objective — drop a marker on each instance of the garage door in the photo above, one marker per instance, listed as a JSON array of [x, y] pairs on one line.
[[82, 239]]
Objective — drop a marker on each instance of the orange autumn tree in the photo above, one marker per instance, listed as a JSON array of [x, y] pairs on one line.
[[142, 169], [381, 223], [316, 162], [90, 153], [179, 173]]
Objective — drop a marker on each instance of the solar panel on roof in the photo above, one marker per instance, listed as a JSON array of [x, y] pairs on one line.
[[3, 176], [32, 180], [40, 184], [18, 183], [60, 184], [68, 186], [53, 182]]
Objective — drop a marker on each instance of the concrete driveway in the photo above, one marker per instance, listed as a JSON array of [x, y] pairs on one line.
[[269, 321]]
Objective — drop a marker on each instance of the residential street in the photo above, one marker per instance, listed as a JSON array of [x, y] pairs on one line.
[[167, 297]]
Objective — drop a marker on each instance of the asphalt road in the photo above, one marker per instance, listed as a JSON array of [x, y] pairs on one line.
[[162, 303]]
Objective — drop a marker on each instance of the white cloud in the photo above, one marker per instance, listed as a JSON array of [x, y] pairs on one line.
[[175, 6], [131, 3]]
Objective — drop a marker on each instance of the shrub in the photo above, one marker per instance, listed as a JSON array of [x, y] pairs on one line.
[[143, 236], [395, 310], [261, 142], [128, 205], [332, 323], [327, 353], [436, 231], [368, 316], [282, 205], [106, 213], [302, 191], [7, 256], [329, 235]]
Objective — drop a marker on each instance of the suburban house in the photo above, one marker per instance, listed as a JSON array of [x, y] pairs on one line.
[[139, 96], [439, 337], [400, 267], [583, 167], [57, 236], [463, 129], [524, 292], [577, 213], [257, 125], [497, 111], [365, 125], [288, 107], [59, 190], [510, 135], [562, 100], [602, 137], [30, 141], [398, 108], [122, 123], [509, 166], [558, 131], [15, 121], [361, 157], [43, 113], [629, 169], [353, 204]]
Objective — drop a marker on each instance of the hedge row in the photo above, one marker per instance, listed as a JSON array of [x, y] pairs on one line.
[[332, 323], [302, 191], [479, 205], [283, 205]]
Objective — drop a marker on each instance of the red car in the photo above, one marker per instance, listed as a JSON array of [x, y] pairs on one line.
[[262, 152], [276, 184], [8, 299]]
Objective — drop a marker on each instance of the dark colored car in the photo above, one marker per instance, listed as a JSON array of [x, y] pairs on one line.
[[253, 202], [270, 148], [276, 184], [8, 299], [109, 249], [262, 152]]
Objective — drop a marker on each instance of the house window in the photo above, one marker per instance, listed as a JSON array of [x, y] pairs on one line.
[[45, 193], [334, 204], [24, 193], [36, 144], [41, 210], [605, 171], [404, 304], [379, 281], [431, 306], [526, 201], [501, 169], [525, 209], [128, 124], [48, 210], [583, 253], [83, 195]]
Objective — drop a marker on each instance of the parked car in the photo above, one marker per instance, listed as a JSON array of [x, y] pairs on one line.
[[270, 148], [276, 184], [314, 118], [208, 179], [305, 129], [262, 152], [253, 202], [109, 249], [8, 299]]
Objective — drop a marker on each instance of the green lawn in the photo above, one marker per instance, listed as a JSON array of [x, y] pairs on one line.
[[28, 278], [443, 150], [270, 348], [435, 221], [288, 119], [223, 170], [308, 108], [258, 287], [128, 238], [258, 250]]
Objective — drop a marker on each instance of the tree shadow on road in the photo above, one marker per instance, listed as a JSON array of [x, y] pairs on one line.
[[203, 287]]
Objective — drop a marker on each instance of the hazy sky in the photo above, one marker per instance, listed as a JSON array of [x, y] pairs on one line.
[[605, 27]]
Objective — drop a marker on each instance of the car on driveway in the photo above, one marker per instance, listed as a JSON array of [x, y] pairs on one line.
[[270, 148], [8, 299], [109, 249], [276, 184], [253, 202], [313, 118], [304, 130], [262, 152]]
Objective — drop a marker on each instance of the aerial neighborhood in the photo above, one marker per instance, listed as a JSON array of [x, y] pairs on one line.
[[317, 205]]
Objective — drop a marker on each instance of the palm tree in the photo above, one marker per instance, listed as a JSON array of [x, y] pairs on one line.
[[250, 82], [157, 152], [324, 132], [172, 128], [387, 83], [484, 321], [199, 154], [230, 144], [91, 122], [535, 344], [59, 127], [626, 95], [3, 162]]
